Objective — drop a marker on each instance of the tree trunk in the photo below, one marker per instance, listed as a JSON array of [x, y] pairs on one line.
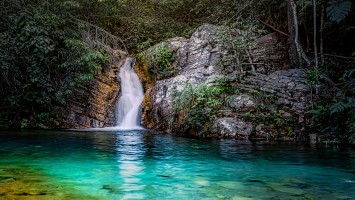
[[292, 50], [321, 33], [315, 31], [305, 28], [300, 50]]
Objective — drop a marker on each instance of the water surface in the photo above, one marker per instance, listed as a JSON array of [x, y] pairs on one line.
[[151, 165]]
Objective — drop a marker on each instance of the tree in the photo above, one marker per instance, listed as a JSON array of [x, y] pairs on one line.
[[315, 31], [300, 51]]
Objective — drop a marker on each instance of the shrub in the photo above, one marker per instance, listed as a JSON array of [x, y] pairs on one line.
[[159, 61], [197, 107]]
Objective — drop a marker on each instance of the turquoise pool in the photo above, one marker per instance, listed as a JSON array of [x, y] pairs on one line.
[[152, 165]]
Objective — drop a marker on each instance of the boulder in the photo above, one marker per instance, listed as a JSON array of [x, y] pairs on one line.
[[42, 126], [260, 132], [242, 100], [229, 127], [283, 101]]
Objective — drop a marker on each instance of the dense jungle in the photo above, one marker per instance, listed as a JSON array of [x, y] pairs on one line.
[[53, 51]]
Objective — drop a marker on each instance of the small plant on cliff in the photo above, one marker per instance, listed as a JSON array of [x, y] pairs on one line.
[[159, 61], [237, 40], [257, 94], [195, 107], [271, 97], [229, 100], [23, 125]]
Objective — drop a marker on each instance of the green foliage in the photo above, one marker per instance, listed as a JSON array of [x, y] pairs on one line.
[[229, 100], [332, 111], [257, 94], [196, 107], [3, 121], [41, 53], [23, 125], [338, 10], [159, 61], [223, 12], [335, 120], [43, 117], [314, 76], [238, 40], [145, 44], [262, 114], [271, 97], [340, 107]]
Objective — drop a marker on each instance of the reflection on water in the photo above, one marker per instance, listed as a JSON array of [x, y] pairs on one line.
[[130, 153], [151, 165]]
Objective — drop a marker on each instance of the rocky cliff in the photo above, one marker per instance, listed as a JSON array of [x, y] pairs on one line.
[[284, 92], [93, 104]]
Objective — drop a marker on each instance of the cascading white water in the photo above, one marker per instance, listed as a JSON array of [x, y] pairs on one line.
[[132, 95]]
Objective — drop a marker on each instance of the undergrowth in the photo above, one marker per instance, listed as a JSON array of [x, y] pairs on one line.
[[333, 110], [159, 61], [197, 107]]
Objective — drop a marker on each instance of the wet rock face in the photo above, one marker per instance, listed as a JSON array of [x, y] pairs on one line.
[[94, 104]]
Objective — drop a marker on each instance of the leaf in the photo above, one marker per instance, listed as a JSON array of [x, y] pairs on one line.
[[338, 10], [313, 111]]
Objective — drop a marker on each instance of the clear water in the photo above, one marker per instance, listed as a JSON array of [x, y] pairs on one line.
[[151, 165]]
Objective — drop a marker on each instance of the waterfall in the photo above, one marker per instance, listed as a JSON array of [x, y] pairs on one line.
[[132, 95]]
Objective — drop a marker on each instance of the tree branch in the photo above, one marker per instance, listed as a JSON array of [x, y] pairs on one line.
[[345, 84], [325, 54], [105, 32], [273, 28]]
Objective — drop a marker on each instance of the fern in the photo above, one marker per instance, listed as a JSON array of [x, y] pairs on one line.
[[341, 106], [338, 10], [337, 108]]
